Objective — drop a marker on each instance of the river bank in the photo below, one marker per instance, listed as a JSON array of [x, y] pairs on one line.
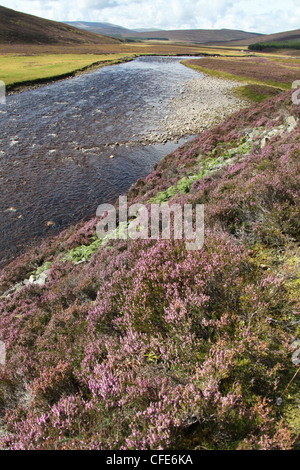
[[19, 86], [87, 139], [199, 104]]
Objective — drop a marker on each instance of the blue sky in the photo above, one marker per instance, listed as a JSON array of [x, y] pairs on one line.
[[264, 16]]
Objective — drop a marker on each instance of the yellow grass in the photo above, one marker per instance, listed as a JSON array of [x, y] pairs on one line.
[[18, 69]]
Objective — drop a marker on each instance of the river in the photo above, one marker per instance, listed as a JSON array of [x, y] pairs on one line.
[[56, 142]]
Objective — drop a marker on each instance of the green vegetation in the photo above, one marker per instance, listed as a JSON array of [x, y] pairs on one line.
[[42, 269], [21, 70], [207, 167], [289, 44], [83, 252], [257, 93]]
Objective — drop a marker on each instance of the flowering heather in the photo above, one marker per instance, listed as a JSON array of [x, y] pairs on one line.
[[145, 345], [258, 68]]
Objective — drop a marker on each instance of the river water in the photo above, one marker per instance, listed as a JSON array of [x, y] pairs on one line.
[[56, 142]]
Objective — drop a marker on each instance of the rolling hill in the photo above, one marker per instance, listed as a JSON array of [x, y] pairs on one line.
[[283, 36], [196, 36], [107, 29], [21, 28]]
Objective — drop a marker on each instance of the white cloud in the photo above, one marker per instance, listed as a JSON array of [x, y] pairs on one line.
[[266, 16]]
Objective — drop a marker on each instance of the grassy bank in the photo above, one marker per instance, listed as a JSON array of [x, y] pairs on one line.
[[19, 71], [231, 76], [20, 67], [254, 72], [141, 344]]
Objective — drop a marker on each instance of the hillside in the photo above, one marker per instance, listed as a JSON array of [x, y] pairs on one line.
[[198, 36], [142, 344], [283, 36], [20, 28]]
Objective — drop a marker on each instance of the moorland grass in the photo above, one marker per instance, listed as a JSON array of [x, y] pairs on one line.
[[24, 70], [230, 76]]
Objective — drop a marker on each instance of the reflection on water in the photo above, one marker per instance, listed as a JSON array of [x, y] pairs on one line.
[[56, 140]]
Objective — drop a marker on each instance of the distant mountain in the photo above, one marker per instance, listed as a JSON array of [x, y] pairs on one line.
[[197, 36], [143, 30], [108, 29], [284, 36], [20, 28]]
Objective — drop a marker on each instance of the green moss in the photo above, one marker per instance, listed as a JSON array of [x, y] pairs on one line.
[[163, 196], [244, 148], [294, 288], [85, 252], [82, 252], [183, 186], [292, 415], [294, 261], [43, 268], [208, 165], [256, 93]]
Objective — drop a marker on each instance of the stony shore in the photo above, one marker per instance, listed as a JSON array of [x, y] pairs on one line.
[[198, 105]]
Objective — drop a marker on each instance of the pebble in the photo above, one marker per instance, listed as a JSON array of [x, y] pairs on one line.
[[201, 104]]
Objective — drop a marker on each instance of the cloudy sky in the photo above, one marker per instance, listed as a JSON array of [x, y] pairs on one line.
[[264, 16]]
